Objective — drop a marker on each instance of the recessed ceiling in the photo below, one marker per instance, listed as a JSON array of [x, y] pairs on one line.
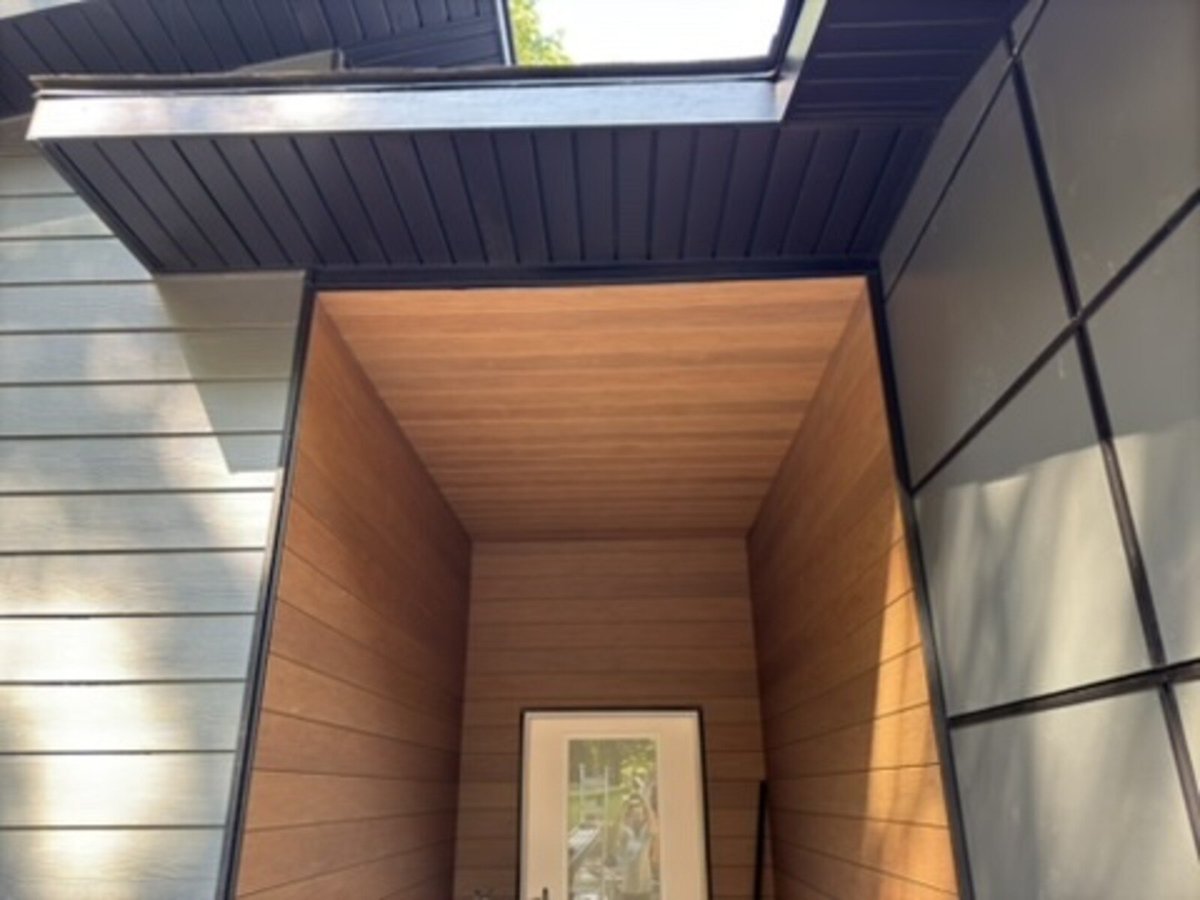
[[600, 411]]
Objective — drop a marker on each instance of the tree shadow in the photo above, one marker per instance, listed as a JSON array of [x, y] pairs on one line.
[[133, 555]]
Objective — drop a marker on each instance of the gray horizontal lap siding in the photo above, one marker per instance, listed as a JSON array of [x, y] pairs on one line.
[[140, 431]]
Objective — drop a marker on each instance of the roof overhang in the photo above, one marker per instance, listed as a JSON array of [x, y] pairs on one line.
[[435, 170]]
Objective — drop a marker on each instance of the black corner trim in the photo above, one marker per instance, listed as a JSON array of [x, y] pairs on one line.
[[235, 823], [933, 672]]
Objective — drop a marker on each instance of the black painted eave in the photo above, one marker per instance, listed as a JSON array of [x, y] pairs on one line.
[[197, 36], [421, 172]]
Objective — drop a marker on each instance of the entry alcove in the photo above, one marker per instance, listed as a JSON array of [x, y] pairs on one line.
[[656, 495]]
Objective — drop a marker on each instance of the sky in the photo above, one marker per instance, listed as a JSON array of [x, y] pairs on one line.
[[596, 31]]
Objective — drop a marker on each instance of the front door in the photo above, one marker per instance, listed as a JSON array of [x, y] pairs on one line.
[[613, 806]]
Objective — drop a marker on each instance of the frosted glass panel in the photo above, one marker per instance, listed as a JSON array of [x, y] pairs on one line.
[[1081, 803], [966, 317], [952, 137], [1147, 341], [1189, 704], [1028, 581], [1116, 86]]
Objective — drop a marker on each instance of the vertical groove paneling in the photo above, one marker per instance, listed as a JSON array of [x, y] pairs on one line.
[[356, 765], [505, 198], [93, 50], [857, 808], [710, 176], [132, 532], [250, 171], [823, 178], [127, 205], [342, 198], [674, 156], [288, 169], [132, 165], [485, 189], [140, 17], [748, 180], [234, 203], [181, 25], [633, 164], [176, 171], [594, 155], [785, 179], [218, 32], [608, 623], [519, 176], [313, 24], [559, 181], [250, 29], [112, 31], [863, 171], [444, 176], [411, 189], [385, 211], [48, 46], [280, 23], [891, 189]]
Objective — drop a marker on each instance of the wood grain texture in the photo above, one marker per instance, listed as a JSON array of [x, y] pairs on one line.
[[601, 411], [691, 645], [355, 776], [857, 809]]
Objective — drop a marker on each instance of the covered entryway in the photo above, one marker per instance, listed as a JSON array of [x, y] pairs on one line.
[[629, 496]]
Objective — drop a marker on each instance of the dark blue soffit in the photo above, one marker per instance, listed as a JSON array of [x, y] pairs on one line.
[[896, 57], [165, 37], [819, 189], [555, 197]]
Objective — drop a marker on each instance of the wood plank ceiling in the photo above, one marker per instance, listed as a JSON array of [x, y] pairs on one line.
[[600, 411]]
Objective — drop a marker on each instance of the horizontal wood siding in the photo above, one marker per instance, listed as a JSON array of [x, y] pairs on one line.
[[606, 411], [608, 623], [857, 810], [355, 776], [140, 428]]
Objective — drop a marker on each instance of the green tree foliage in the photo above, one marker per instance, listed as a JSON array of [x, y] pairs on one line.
[[534, 46]]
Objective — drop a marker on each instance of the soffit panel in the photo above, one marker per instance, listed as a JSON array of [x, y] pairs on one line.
[[512, 199], [599, 411], [165, 37]]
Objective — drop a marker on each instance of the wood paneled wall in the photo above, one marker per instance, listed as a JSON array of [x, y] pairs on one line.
[[139, 447], [608, 623], [354, 789], [857, 809]]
